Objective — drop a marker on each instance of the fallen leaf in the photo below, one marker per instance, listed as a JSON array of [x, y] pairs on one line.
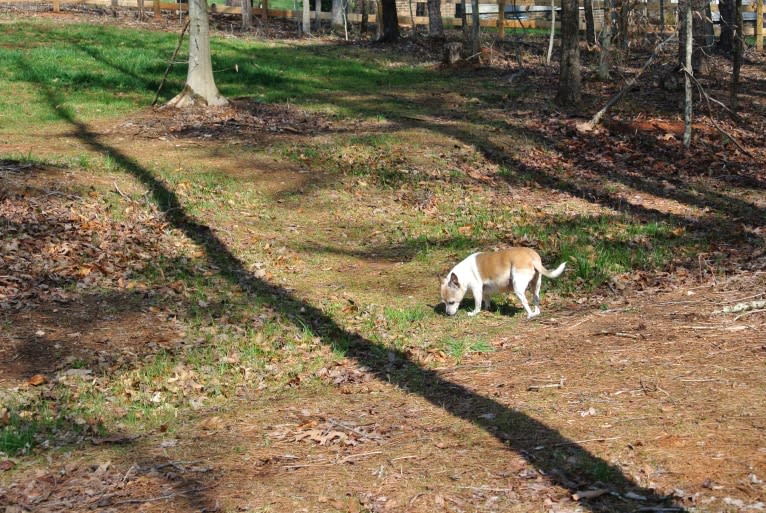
[[37, 380]]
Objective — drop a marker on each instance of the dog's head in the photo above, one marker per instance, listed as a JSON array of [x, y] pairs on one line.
[[452, 293]]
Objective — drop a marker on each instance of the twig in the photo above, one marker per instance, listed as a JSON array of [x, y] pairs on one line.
[[750, 312], [560, 384], [579, 442], [615, 334], [123, 194], [712, 119], [360, 455], [354, 430], [617, 97], [173, 58]]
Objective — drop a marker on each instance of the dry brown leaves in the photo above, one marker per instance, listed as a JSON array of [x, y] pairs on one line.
[[53, 244]]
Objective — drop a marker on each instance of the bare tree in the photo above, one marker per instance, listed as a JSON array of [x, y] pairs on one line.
[[475, 26], [247, 14], [570, 83], [306, 21], [337, 15], [605, 56], [590, 26], [728, 25], [200, 88], [435, 24], [686, 42], [390, 22], [737, 57], [698, 32]]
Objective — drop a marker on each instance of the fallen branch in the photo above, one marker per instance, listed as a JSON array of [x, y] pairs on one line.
[[587, 127], [560, 384], [615, 334], [589, 494], [742, 307]]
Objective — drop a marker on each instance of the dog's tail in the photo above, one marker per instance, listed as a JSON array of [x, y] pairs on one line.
[[550, 274]]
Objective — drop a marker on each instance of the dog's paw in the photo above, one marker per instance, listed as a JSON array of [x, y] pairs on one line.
[[474, 312], [533, 315]]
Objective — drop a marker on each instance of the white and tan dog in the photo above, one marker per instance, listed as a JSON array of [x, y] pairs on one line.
[[487, 273]]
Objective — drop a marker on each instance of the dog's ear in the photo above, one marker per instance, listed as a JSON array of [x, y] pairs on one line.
[[453, 281]]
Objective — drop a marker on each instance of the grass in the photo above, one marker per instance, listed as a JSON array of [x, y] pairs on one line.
[[393, 195]]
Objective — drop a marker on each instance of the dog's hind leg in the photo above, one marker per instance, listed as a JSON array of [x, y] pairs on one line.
[[520, 282], [538, 280]]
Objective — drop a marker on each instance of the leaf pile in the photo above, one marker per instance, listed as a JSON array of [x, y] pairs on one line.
[[231, 122], [52, 244]]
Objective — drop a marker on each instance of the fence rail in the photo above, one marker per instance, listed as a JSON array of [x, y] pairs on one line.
[[524, 14]]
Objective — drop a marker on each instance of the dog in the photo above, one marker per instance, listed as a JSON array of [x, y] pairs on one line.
[[486, 273]]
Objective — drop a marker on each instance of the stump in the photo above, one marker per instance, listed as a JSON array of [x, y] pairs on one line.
[[453, 52]]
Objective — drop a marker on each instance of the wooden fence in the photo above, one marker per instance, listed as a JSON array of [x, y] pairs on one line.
[[526, 14]]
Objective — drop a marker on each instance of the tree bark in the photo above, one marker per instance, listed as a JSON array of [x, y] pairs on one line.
[[435, 24], [605, 57], [390, 22], [737, 60], [306, 21], [552, 33], [500, 20], [247, 14], [570, 84], [317, 15], [475, 26], [365, 18], [590, 26], [699, 39], [337, 15], [728, 23], [464, 19], [200, 88], [687, 63]]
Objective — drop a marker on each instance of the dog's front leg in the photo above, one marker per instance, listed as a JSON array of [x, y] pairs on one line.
[[477, 292]]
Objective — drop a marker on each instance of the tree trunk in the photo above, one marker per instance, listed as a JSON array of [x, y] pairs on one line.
[[698, 29], [140, 10], [590, 26], [265, 12], [200, 88], [552, 33], [686, 42], [412, 19], [737, 60], [605, 57], [662, 17], [570, 85], [728, 23], [475, 26], [464, 19], [500, 20], [759, 26], [247, 14], [390, 22], [337, 15], [365, 18], [623, 8], [306, 21], [435, 24], [317, 15]]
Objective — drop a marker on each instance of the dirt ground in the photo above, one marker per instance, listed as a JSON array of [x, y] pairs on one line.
[[647, 398]]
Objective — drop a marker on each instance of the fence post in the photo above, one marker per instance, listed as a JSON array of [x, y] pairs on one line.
[[156, 8], [500, 19], [759, 26], [265, 12], [56, 6]]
